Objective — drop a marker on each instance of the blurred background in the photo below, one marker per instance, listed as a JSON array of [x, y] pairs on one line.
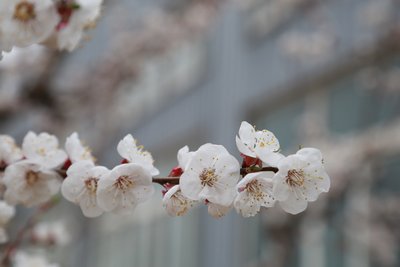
[[320, 73]]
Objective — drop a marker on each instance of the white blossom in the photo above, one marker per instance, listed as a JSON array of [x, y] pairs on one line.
[[25, 22], [258, 144], [80, 186], [255, 191], [29, 183], [76, 17], [9, 151], [6, 213], [43, 148], [300, 179], [218, 211], [129, 150], [124, 187], [23, 259], [76, 151], [211, 174], [175, 203], [51, 233]]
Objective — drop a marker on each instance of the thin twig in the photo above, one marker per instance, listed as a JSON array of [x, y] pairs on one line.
[[243, 172]]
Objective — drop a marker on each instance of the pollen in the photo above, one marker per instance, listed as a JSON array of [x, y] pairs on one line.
[[208, 177], [295, 178], [24, 11], [31, 177], [255, 189], [124, 182], [91, 185]]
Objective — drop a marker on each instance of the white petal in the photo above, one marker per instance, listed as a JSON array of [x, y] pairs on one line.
[[90, 207], [281, 189], [190, 184], [293, 205], [310, 154], [218, 211], [184, 156], [245, 205], [270, 158], [244, 149]]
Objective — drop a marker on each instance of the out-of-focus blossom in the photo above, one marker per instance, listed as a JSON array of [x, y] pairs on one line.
[[76, 151], [26, 22], [211, 175], [76, 16], [6, 213], [23, 259], [29, 183], [43, 149], [376, 13], [175, 203], [308, 47], [51, 233], [81, 185], [9, 151], [124, 187], [258, 144], [300, 179], [130, 151], [255, 191]]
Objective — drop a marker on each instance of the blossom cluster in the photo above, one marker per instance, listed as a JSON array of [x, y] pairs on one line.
[[211, 175], [58, 24], [34, 173]]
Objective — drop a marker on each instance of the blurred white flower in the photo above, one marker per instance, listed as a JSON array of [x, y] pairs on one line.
[[29, 183], [258, 144], [124, 187], [80, 186], [6, 213], [76, 16], [211, 175], [25, 22], [129, 150], [23, 259], [300, 179], [51, 233], [175, 203], [218, 211], [43, 149], [9, 151], [255, 190], [76, 151]]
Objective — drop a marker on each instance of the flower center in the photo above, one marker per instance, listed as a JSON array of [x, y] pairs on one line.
[[295, 178], [208, 177], [91, 185], [24, 11], [181, 202], [124, 182], [255, 189], [31, 177]]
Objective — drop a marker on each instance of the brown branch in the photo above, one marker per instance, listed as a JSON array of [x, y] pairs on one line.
[[243, 172]]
